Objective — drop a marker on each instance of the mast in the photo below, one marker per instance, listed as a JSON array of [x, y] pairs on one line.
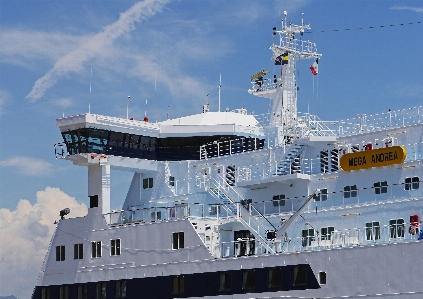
[[283, 88]]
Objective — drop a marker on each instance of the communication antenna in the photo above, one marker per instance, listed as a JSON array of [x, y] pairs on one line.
[[89, 100], [220, 86], [127, 107], [155, 96]]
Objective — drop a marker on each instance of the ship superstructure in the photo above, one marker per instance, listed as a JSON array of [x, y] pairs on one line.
[[228, 205]]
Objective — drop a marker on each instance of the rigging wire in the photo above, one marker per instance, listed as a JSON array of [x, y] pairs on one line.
[[365, 28]]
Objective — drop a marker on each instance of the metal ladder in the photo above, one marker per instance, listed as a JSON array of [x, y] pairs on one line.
[[291, 161]]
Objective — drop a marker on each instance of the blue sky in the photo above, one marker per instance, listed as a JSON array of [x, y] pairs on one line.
[[48, 49]]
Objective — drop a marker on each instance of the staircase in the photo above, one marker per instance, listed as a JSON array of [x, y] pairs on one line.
[[231, 201], [291, 162]]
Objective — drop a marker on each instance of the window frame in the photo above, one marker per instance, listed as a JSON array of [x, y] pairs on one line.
[[248, 279], [178, 240], [350, 191], [115, 247], [225, 284], [101, 290], [60, 253], [279, 200], [63, 292], [411, 183], [381, 187], [78, 251], [326, 233], [307, 236], [322, 195], [274, 277], [121, 289], [372, 231], [396, 228], [178, 284], [83, 291], [147, 183], [297, 271], [96, 249]]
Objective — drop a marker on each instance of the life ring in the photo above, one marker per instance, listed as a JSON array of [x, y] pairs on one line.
[[412, 229]]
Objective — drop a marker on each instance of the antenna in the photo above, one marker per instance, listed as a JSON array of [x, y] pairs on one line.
[[89, 100], [155, 95], [127, 107], [220, 86]]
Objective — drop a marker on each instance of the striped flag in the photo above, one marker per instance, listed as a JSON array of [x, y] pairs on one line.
[[314, 67]]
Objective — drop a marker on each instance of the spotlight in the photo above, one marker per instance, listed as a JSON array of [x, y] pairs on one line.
[[64, 212]]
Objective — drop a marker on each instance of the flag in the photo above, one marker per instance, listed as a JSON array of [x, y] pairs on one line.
[[285, 58], [314, 67]]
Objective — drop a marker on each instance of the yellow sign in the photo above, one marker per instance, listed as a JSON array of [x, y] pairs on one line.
[[373, 158]]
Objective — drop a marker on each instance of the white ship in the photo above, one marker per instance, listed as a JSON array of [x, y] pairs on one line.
[[234, 205]]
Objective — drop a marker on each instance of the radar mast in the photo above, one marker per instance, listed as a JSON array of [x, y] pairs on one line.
[[283, 89]]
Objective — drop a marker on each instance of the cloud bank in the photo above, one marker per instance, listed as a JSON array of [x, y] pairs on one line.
[[412, 8], [28, 166], [74, 60], [26, 233]]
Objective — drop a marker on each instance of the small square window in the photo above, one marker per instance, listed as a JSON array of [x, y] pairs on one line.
[[381, 187], [350, 191], [225, 281], [278, 200], [412, 183], [178, 240], [147, 183], [322, 195], [172, 181]]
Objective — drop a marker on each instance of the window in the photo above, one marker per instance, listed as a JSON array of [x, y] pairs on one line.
[[307, 237], [248, 280], [274, 277], [381, 187], [300, 275], [64, 292], [60, 253], [115, 247], [121, 289], [147, 183], [45, 293], [322, 277], [278, 200], [350, 191], [178, 240], [82, 291], [326, 233], [172, 181], [225, 281], [96, 249], [322, 196], [178, 283], [412, 183], [396, 228], [373, 230], [78, 251], [101, 291]]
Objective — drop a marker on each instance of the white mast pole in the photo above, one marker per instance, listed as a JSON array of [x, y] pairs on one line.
[[127, 107]]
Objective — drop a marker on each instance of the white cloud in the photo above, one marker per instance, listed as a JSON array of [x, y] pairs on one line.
[[74, 60], [4, 98], [412, 8], [28, 166], [26, 233]]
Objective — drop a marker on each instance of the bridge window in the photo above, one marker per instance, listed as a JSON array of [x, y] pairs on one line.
[[60, 253], [326, 232], [96, 249], [412, 183], [307, 237], [78, 251], [248, 280], [300, 275], [225, 281], [373, 230], [322, 195], [381, 187], [115, 247], [121, 289], [82, 291], [274, 277], [101, 291], [147, 183], [178, 283], [178, 240], [350, 191], [396, 228], [278, 200], [64, 292], [171, 181]]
